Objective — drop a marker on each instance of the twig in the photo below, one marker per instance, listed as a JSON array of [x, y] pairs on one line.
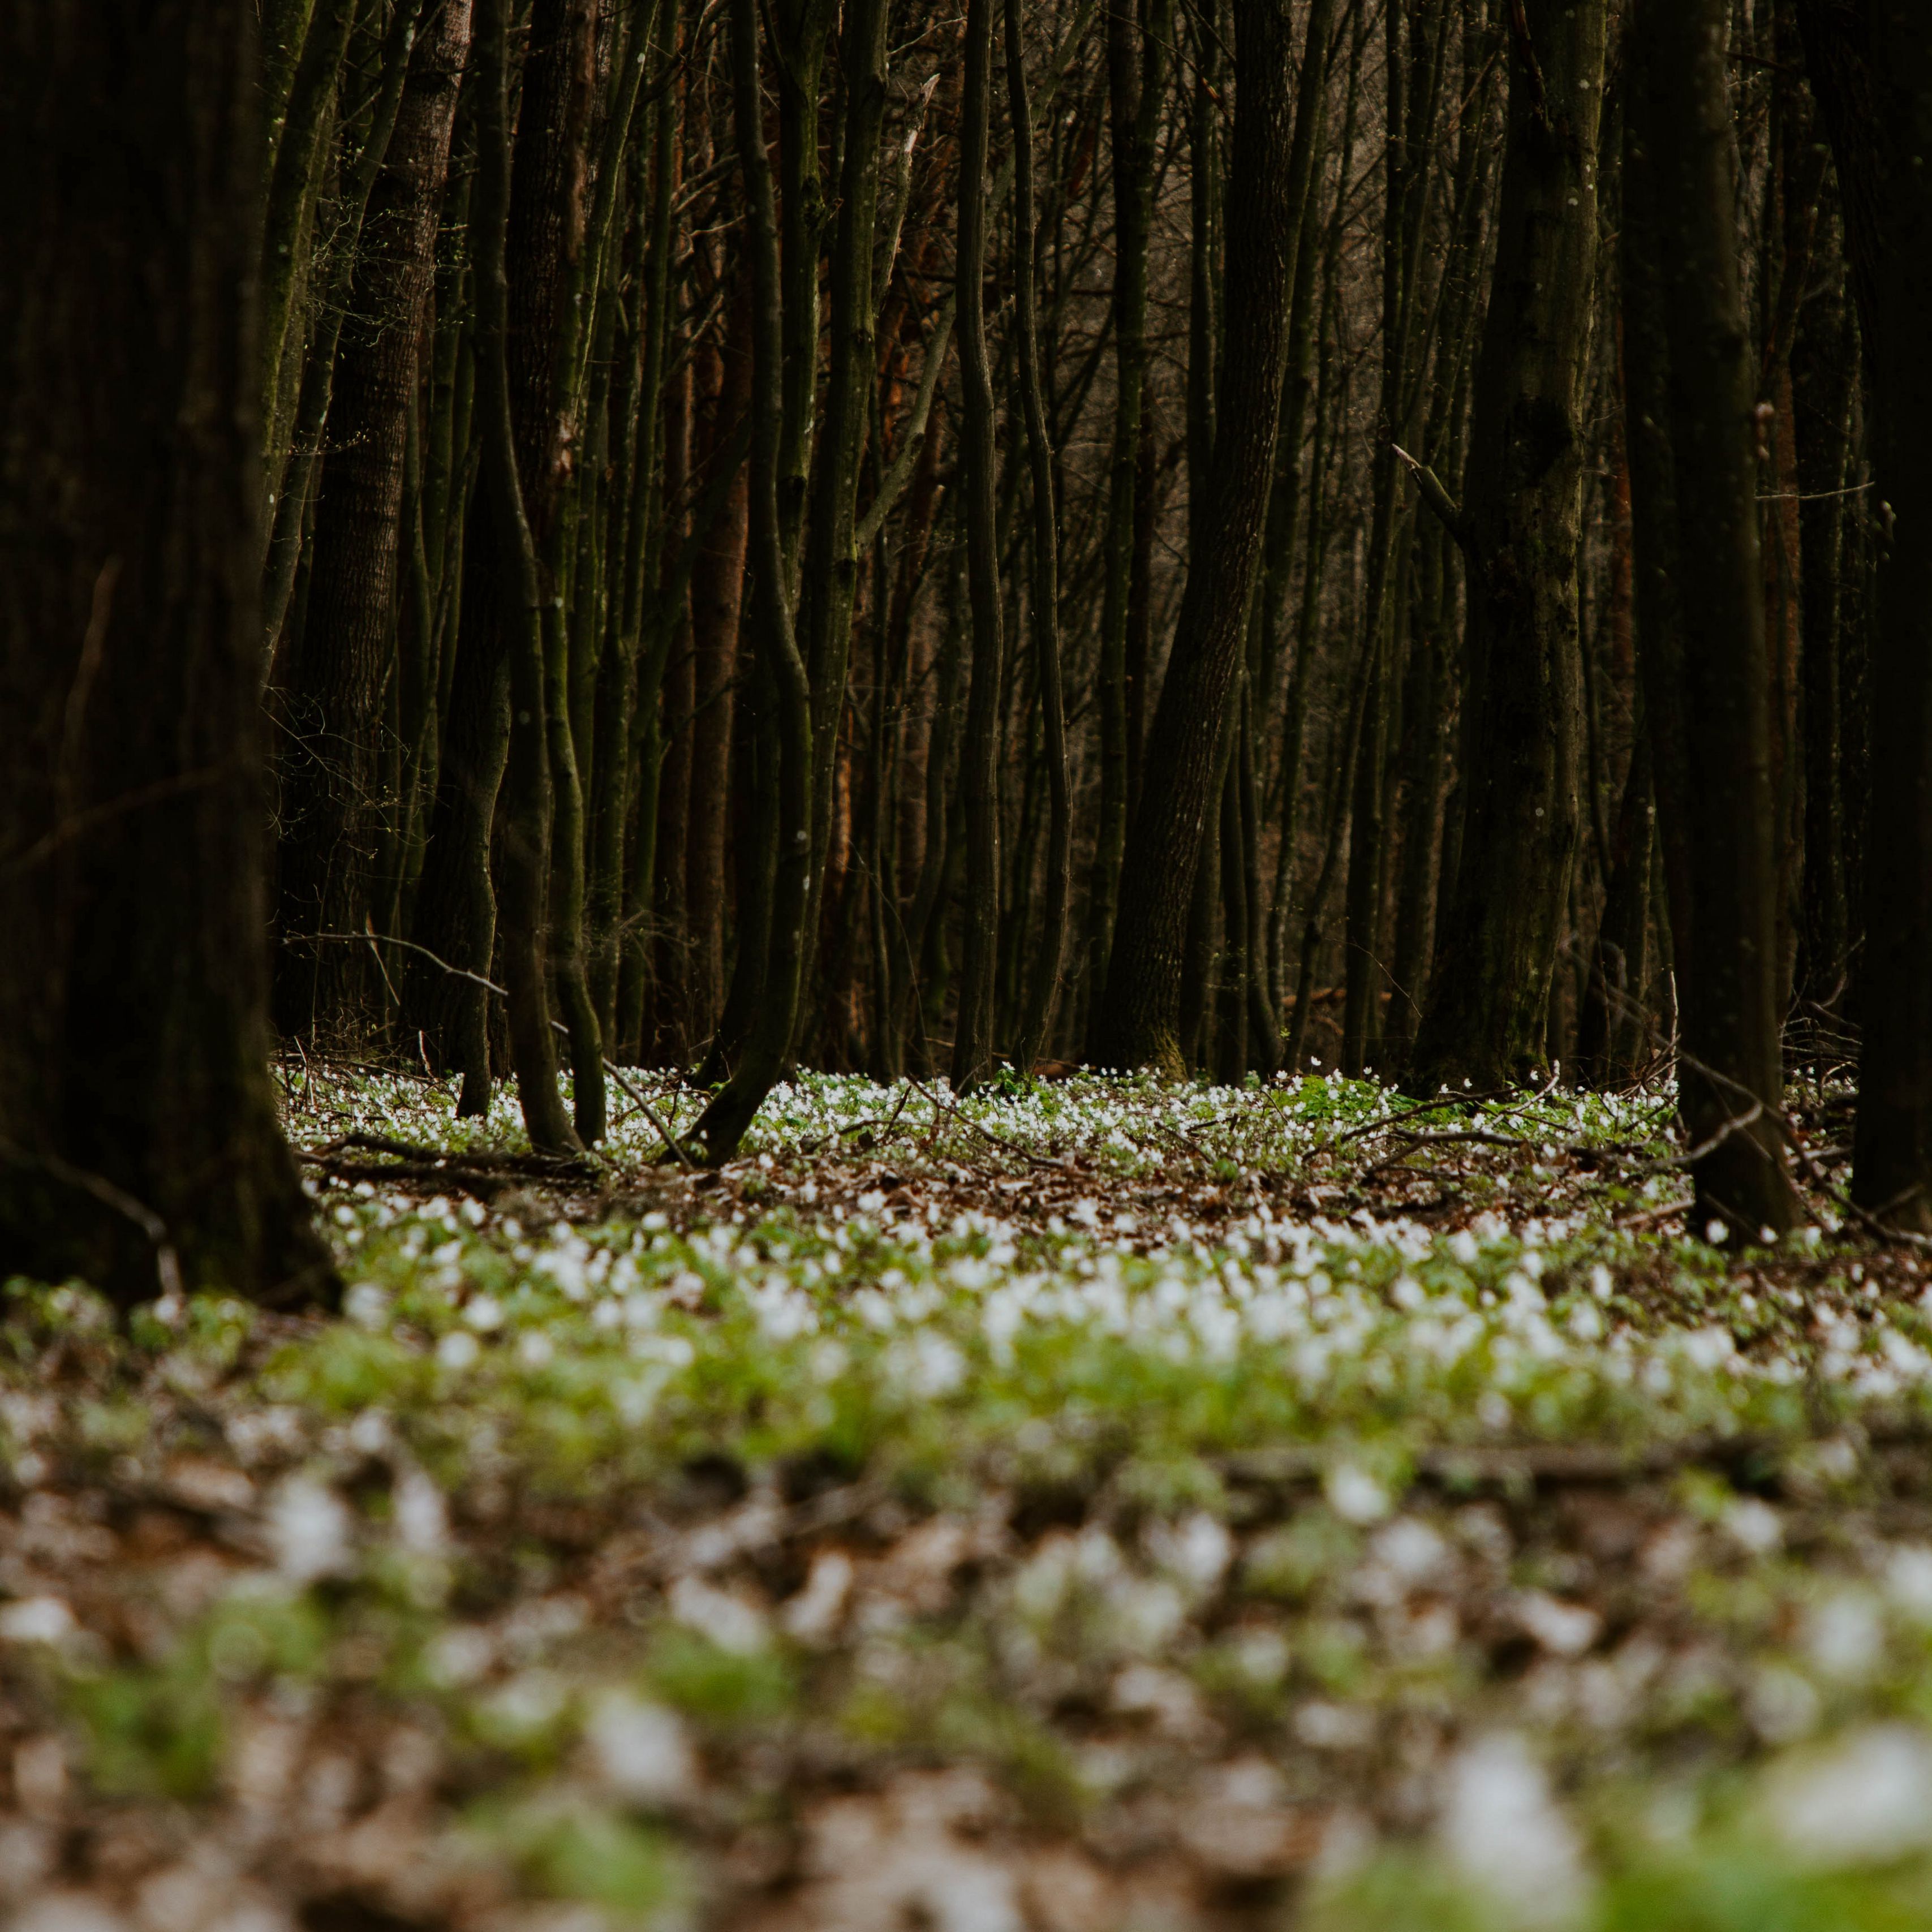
[[649, 1112], [859, 1126], [1539, 99], [1439, 500], [992, 1139]]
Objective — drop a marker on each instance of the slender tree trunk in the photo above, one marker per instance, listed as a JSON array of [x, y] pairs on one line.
[[1522, 819], [294, 181], [139, 1144], [337, 821], [830, 583], [527, 801], [788, 686], [972, 1045], [1700, 611], [1135, 79], [1609, 1031], [1043, 977], [1139, 1013], [1824, 370], [716, 594]]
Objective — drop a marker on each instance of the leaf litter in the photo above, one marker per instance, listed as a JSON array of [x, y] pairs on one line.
[[1090, 1504]]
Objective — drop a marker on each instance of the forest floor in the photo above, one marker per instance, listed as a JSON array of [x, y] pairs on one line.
[[1091, 1507]]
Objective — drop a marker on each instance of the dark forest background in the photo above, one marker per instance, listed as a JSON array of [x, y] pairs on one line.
[[1218, 535]]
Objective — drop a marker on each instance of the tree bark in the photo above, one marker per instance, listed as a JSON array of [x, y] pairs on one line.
[[527, 799], [1138, 1021], [1871, 66], [1135, 82], [786, 766], [139, 1144], [337, 821], [1824, 372], [1700, 611], [973, 1046], [1489, 1001], [1043, 978]]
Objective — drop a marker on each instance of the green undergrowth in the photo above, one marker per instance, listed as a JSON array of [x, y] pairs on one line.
[[1389, 1529]]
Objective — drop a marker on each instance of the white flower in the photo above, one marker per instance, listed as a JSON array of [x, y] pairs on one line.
[[1354, 1496], [309, 1530], [639, 1750], [1504, 1832], [1844, 1637], [36, 1620], [1755, 1524], [458, 1349], [1196, 1550], [460, 1656], [733, 1623], [422, 1521], [1567, 1630], [812, 1616], [366, 1305], [1865, 1798], [1908, 1581]]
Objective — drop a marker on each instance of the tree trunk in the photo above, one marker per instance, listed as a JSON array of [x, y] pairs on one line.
[[1140, 1011], [1824, 371], [1870, 67], [785, 762], [973, 1046], [336, 819], [716, 594], [139, 1144], [1700, 611], [527, 804], [1490, 998], [1135, 81], [1043, 978]]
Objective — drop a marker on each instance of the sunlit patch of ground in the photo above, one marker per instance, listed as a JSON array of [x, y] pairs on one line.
[[1089, 1505]]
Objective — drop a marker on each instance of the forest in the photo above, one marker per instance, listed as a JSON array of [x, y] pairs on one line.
[[967, 970]]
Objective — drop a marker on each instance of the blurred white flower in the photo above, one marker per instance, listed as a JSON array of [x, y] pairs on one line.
[[1566, 1629], [1196, 1550], [639, 1749], [458, 1349], [1504, 1832], [1354, 1496], [1844, 1636], [1908, 1581], [310, 1531], [1866, 1799], [812, 1616], [1755, 1524], [36, 1620], [732, 1622]]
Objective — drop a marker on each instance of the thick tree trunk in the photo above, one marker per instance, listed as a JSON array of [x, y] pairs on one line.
[[1870, 65], [1700, 610], [1490, 998], [1140, 1012], [139, 1144], [337, 821]]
